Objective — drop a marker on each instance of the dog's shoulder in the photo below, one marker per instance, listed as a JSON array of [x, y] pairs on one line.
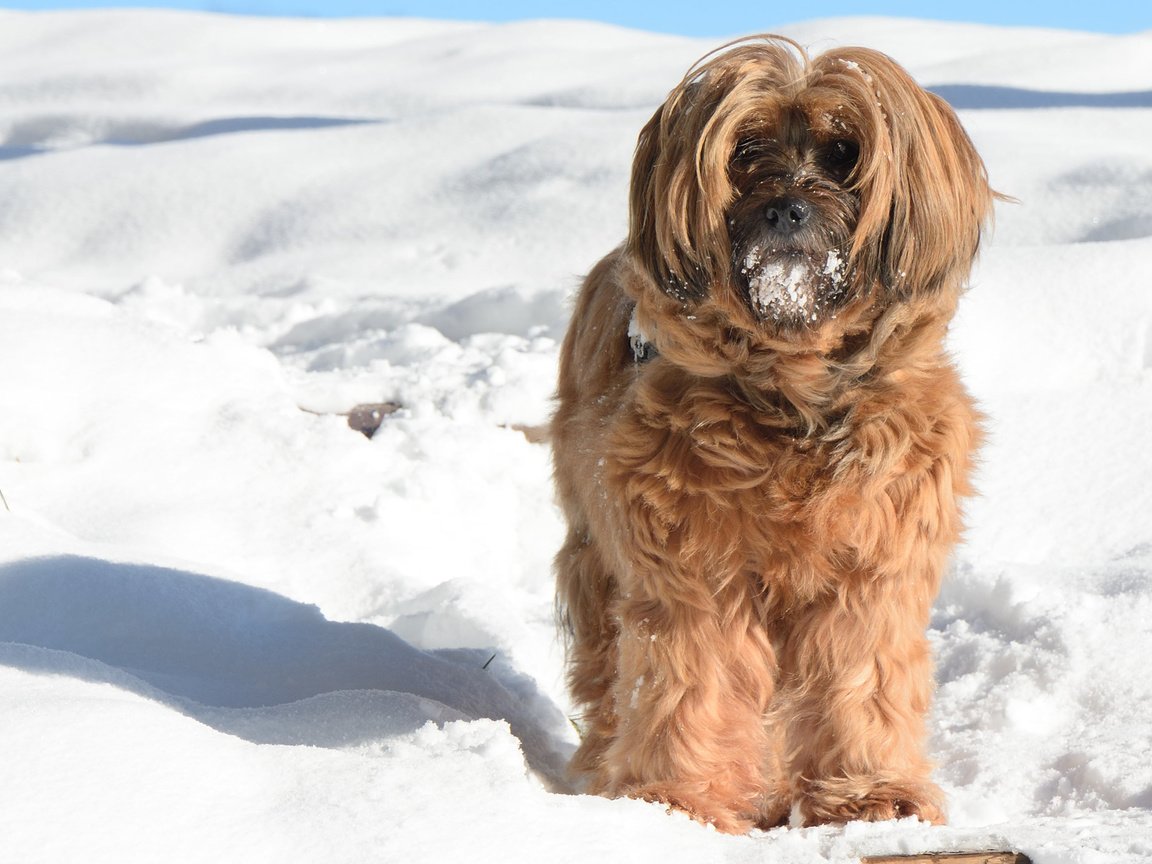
[[596, 346]]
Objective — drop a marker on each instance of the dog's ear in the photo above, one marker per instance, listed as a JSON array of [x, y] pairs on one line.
[[680, 189], [663, 199], [923, 188]]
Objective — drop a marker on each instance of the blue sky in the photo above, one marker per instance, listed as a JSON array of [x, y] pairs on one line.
[[700, 18]]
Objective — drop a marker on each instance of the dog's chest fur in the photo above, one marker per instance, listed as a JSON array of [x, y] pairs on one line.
[[738, 490]]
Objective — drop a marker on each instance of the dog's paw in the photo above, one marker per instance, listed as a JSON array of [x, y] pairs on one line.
[[702, 808], [848, 800], [775, 806]]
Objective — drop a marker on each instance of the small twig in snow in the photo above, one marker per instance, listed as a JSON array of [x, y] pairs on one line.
[[576, 725]]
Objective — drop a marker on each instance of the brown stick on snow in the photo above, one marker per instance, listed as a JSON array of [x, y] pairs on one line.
[[950, 858]]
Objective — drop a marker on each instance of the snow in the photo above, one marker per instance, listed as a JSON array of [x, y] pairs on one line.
[[780, 284], [233, 629]]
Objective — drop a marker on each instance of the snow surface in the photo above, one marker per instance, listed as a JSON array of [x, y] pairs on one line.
[[232, 629]]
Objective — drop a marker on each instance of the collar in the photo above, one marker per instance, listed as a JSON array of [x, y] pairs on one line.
[[642, 348]]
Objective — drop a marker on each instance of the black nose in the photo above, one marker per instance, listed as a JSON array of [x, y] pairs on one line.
[[787, 215]]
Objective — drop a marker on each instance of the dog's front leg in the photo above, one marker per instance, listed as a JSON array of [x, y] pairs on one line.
[[859, 682], [695, 676]]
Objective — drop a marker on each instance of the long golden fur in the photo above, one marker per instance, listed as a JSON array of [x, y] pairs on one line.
[[759, 515]]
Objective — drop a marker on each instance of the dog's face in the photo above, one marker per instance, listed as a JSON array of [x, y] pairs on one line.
[[791, 222], [778, 192]]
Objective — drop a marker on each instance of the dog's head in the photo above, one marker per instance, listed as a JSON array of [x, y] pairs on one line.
[[787, 189]]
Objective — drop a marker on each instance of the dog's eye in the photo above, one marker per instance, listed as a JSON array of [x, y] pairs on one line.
[[841, 156], [747, 149]]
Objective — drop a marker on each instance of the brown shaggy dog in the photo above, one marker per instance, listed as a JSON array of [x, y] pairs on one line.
[[760, 443]]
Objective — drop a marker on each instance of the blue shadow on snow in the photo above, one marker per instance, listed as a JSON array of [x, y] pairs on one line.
[[980, 96], [141, 135], [252, 663]]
